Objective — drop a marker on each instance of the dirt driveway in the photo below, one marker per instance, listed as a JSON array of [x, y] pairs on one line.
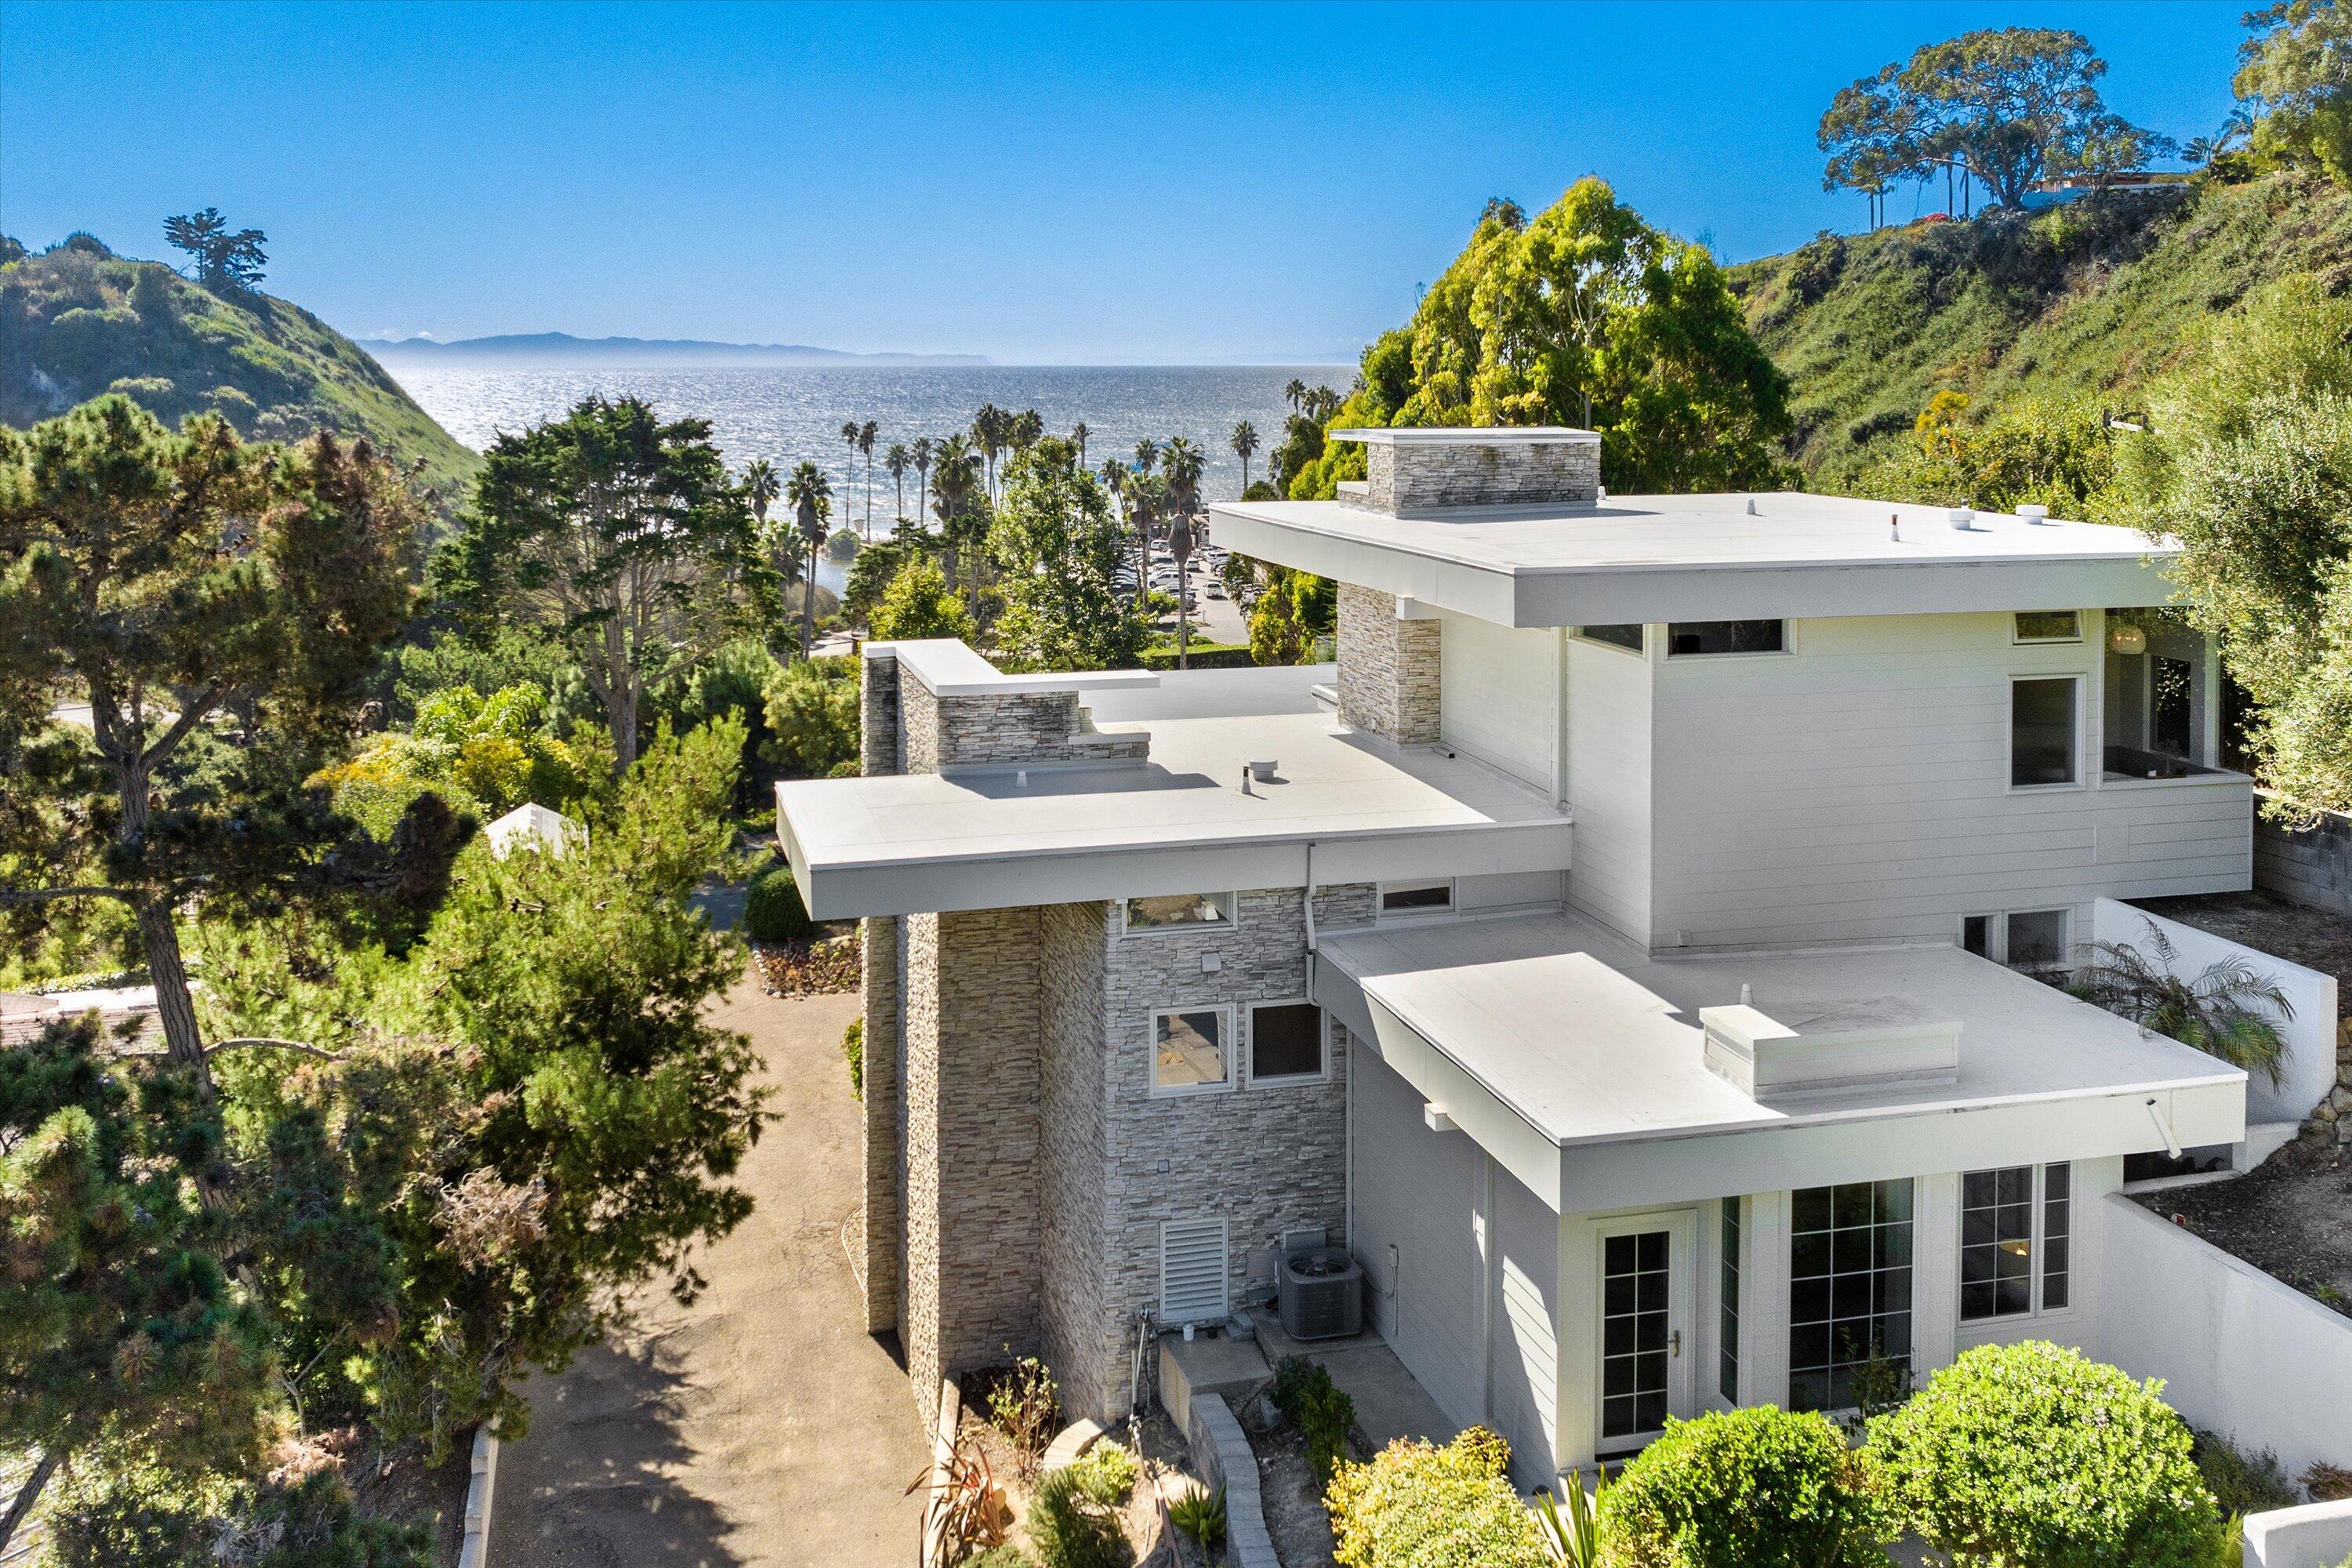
[[762, 1425]]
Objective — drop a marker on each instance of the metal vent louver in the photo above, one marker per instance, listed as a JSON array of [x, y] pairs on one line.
[[1192, 1271]]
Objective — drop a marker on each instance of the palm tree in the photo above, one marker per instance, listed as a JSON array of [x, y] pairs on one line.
[[2228, 1011], [961, 522], [810, 494], [1144, 491], [896, 461], [1245, 444], [1147, 453], [1182, 463], [761, 487], [1079, 433], [866, 433], [989, 428], [922, 455], [1026, 429], [1294, 393]]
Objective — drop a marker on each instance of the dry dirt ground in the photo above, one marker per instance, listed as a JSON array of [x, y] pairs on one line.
[[762, 1425], [2292, 1217]]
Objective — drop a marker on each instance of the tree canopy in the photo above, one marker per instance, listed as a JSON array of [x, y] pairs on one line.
[[620, 533], [227, 257], [219, 607], [1584, 315], [2008, 106], [2296, 74], [1057, 549]]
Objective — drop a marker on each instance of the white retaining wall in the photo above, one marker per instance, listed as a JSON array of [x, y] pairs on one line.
[[2239, 1354], [2309, 1071], [2316, 1535]]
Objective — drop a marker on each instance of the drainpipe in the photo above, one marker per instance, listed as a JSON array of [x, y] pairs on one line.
[[1307, 903]]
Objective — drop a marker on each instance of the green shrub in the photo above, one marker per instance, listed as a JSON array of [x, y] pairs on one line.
[[1025, 1405], [773, 911], [853, 1045], [1200, 654], [1759, 1487], [1070, 1528], [2030, 1456], [1107, 1473], [2242, 1482], [1200, 1513], [1304, 1391], [1416, 1506], [1005, 1556]]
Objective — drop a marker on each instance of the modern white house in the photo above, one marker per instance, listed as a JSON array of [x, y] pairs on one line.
[[1624, 951]]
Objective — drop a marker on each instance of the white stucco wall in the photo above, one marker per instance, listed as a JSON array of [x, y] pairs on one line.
[[2309, 1071], [2239, 1352], [1608, 776], [1500, 696]]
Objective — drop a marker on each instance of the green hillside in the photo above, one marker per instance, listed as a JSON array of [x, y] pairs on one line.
[[75, 321], [2084, 303]]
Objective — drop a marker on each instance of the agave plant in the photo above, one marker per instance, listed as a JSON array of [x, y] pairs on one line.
[[2228, 1010], [1199, 1514], [1573, 1541]]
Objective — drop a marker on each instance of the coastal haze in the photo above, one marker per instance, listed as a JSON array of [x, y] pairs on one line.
[[788, 414]]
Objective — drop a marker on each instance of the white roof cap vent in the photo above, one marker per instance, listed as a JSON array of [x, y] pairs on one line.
[[1800, 1048]]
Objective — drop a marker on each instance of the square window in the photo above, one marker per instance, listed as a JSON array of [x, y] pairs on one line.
[[2048, 625], [1416, 897], [2037, 939], [1189, 1051], [1179, 911], [2043, 731], [1286, 1041], [1628, 638]]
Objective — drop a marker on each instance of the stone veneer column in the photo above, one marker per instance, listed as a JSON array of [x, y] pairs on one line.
[[971, 1093], [1389, 669], [885, 1045]]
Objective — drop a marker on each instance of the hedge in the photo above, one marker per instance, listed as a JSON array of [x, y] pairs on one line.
[[1201, 656], [1759, 1487], [1416, 1506], [773, 910]]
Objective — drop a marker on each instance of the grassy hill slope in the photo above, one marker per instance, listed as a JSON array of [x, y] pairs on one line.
[[2082, 303], [76, 322]]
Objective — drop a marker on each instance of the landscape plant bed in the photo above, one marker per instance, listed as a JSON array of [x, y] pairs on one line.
[[1154, 1440], [2292, 1218], [1293, 1497], [824, 967]]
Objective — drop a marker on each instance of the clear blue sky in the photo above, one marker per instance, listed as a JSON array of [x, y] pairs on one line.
[[1160, 184]]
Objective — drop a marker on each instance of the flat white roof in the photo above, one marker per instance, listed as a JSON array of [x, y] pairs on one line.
[[1704, 557], [1587, 1044], [1589, 1039], [1002, 837]]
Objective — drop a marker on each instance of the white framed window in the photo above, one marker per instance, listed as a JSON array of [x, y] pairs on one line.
[[1176, 912], [2016, 1242], [2046, 626], [1699, 640], [2022, 939], [2045, 731], [1288, 1043], [1408, 900], [1192, 1050], [1627, 637], [1193, 1272]]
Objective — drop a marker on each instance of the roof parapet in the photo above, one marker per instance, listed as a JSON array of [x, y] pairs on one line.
[[1818, 1046]]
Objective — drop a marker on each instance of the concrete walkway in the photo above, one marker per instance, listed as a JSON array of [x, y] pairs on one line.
[[760, 1426]]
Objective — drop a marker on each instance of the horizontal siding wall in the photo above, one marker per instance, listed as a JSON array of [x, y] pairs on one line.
[[1500, 696], [1609, 772], [1858, 788], [1419, 1192]]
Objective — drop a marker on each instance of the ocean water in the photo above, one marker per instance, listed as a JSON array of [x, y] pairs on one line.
[[787, 414]]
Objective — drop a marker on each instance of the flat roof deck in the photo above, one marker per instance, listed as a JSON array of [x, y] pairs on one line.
[[1701, 556], [1586, 1044], [998, 837]]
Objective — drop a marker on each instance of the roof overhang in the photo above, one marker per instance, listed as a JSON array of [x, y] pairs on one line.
[[1718, 1143], [1410, 558]]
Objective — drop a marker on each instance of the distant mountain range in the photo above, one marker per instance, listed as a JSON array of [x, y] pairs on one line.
[[514, 350]]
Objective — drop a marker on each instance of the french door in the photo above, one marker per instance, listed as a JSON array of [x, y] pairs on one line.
[[1646, 1347]]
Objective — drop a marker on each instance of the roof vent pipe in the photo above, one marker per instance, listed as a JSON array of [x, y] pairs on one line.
[[2034, 513], [1747, 994], [1961, 518], [1751, 506], [1894, 527]]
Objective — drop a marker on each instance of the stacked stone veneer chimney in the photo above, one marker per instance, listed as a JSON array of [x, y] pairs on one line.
[[1388, 653], [1411, 472]]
